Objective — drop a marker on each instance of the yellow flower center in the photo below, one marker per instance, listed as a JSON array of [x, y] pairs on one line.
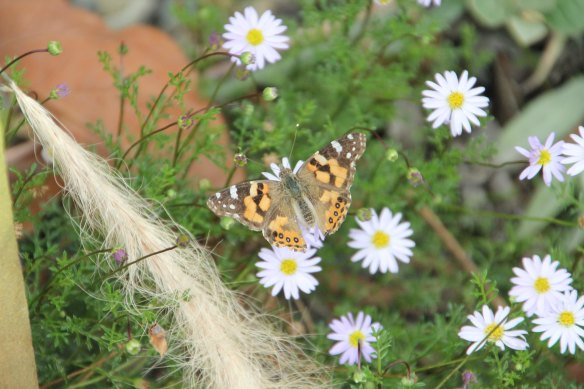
[[355, 337], [544, 157], [567, 319], [541, 285], [455, 100], [288, 266], [497, 332], [255, 37], [380, 239]]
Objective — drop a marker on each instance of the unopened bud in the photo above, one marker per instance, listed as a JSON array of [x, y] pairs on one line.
[[391, 155], [415, 177], [359, 377], [247, 58], [182, 241], [270, 93], [61, 90], [364, 214], [120, 255], [204, 184], [240, 160], [226, 223], [185, 121], [54, 48], [133, 346]]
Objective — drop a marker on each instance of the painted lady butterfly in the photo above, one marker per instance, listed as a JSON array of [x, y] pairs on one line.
[[317, 195]]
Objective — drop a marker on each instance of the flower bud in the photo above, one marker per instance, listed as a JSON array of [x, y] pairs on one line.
[[359, 377], [184, 122], [54, 48], [240, 160], [391, 155], [226, 223], [123, 49], [133, 346], [182, 241], [120, 256], [415, 177], [364, 214], [247, 58], [61, 90], [270, 94], [204, 184], [215, 41]]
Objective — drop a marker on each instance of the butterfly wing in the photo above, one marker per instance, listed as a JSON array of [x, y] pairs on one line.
[[248, 202], [282, 230], [332, 169], [256, 205]]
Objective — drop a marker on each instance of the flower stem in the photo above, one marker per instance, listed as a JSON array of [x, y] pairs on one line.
[[21, 57]]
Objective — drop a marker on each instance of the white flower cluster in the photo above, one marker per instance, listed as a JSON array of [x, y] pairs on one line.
[[545, 291]]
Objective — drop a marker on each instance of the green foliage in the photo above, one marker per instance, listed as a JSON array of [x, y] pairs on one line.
[[352, 66]]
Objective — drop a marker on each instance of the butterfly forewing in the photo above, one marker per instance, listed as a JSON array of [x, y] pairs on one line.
[[250, 203], [332, 170]]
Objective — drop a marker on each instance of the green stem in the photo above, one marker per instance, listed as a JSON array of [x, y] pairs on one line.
[[21, 57], [10, 134], [21, 189], [495, 165], [457, 368], [138, 261], [192, 134], [45, 290], [444, 364], [159, 97], [509, 216]]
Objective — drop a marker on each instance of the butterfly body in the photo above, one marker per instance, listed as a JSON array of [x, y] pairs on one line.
[[315, 196]]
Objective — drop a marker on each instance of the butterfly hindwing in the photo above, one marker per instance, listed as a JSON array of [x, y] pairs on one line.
[[282, 230], [248, 202]]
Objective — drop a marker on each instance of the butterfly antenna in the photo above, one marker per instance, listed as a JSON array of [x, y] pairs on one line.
[[293, 142]]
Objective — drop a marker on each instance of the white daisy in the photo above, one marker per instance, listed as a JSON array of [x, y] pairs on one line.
[[275, 176], [382, 241], [428, 3], [454, 101], [575, 153], [539, 285], [288, 270], [260, 36], [564, 321], [349, 334], [547, 157], [493, 328]]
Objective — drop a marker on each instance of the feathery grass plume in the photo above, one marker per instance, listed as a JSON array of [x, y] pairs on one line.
[[225, 345]]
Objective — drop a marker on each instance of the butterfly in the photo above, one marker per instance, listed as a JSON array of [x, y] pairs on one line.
[[315, 195]]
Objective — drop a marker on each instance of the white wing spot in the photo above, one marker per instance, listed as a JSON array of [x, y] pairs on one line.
[[350, 136], [224, 205], [233, 192], [218, 195], [349, 155], [231, 206], [353, 149], [337, 146]]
